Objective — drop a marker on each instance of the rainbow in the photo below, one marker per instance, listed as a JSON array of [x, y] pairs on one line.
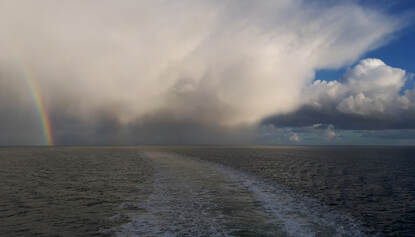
[[40, 105]]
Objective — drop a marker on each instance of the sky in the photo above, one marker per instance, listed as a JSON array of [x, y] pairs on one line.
[[105, 72]]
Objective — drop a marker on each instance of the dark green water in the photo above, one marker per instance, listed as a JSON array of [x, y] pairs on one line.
[[67, 191], [207, 191]]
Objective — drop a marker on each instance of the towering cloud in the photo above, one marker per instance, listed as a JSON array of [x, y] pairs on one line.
[[371, 95], [217, 65]]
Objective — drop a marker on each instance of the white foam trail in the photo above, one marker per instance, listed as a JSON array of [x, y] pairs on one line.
[[300, 216], [177, 206], [191, 196]]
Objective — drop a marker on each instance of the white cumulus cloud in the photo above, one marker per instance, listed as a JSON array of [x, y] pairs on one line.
[[371, 88]]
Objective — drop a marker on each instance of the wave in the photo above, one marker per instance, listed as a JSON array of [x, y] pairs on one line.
[[192, 197]]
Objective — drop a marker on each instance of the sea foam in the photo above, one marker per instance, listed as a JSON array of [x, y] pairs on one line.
[[193, 197]]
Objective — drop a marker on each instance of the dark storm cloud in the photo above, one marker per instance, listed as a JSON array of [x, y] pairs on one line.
[[309, 115], [158, 128]]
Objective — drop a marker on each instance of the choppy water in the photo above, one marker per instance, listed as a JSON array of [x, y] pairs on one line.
[[207, 191]]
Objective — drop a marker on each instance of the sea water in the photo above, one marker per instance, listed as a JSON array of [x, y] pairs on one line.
[[207, 191]]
